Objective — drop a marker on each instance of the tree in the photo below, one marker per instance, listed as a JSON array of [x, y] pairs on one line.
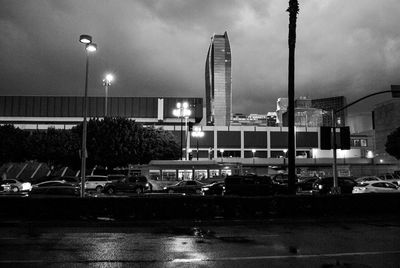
[[13, 146], [56, 147], [392, 145], [118, 142], [293, 11]]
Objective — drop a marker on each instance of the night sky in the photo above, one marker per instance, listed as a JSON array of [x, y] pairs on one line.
[[159, 47]]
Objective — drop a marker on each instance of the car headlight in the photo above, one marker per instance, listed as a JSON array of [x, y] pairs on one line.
[[165, 188], [320, 186], [26, 186], [205, 189], [147, 185]]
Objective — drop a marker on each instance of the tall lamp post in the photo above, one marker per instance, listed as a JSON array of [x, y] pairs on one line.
[[182, 111], [284, 157], [106, 83], [197, 133], [89, 47], [222, 154], [254, 153]]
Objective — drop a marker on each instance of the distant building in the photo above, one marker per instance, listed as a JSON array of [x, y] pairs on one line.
[[386, 119], [42, 112], [360, 123], [218, 81], [265, 120], [281, 108], [305, 117], [329, 104]]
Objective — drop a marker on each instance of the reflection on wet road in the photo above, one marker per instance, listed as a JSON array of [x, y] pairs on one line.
[[173, 244]]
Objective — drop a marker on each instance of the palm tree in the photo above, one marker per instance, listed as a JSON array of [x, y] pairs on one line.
[[293, 11]]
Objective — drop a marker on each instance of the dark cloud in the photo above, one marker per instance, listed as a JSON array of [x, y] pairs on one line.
[[158, 48]]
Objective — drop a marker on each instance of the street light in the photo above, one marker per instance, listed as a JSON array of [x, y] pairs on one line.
[[106, 83], [254, 152], [89, 47], [314, 155], [182, 111], [284, 157], [197, 133]]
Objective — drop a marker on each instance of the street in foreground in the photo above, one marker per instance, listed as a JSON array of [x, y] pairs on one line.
[[278, 243]]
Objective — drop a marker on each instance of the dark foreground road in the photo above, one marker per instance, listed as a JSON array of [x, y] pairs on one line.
[[278, 243]]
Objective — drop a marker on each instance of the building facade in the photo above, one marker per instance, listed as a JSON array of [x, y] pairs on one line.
[[329, 105], [218, 81], [386, 118], [42, 112]]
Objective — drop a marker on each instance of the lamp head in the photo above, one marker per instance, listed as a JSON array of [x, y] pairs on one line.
[[85, 39], [91, 47]]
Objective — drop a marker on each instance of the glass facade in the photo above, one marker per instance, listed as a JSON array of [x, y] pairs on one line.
[[218, 81]]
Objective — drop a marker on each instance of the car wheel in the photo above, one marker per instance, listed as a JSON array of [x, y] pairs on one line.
[[170, 191], [110, 190], [139, 190], [99, 189], [14, 189]]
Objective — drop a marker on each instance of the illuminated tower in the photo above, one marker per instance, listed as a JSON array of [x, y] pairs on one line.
[[219, 81]]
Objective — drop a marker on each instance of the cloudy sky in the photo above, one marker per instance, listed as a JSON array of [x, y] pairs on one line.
[[158, 47]]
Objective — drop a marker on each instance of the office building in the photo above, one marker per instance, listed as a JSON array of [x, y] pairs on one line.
[[329, 105], [218, 81]]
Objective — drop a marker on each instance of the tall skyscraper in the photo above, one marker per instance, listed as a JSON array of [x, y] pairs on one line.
[[219, 81]]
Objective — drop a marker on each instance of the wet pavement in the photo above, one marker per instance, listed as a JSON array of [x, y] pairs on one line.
[[274, 243]]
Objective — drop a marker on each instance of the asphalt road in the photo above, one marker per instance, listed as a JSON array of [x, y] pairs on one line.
[[278, 243]]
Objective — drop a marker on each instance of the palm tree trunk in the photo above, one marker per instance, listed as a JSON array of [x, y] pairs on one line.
[[293, 11]]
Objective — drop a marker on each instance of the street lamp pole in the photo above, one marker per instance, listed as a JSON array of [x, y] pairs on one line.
[[197, 133], [254, 152], [106, 83], [90, 47], [222, 154], [284, 157], [182, 111]]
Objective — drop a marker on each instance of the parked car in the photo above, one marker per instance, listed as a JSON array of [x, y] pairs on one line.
[[249, 185], [70, 179], [44, 178], [187, 187], [216, 188], [390, 178], [138, 184], [324, 185], [96, 182], [116, 177], [280, 178], [55, 191], [367, 179], [306, 184], [378, 186], [13, 185], [51, 183]]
